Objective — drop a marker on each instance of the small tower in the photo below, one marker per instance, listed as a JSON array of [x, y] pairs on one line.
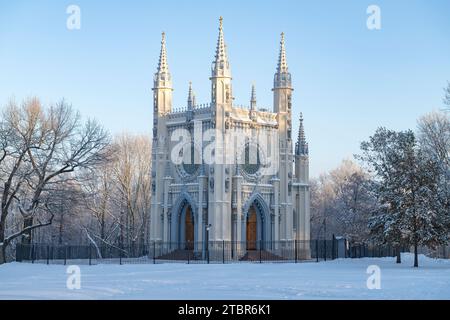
[[219, 195], [301, 155], [302, 192], [162, 105], [282, 93]]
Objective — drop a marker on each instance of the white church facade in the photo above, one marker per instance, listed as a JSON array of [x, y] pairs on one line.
[[251, 189]]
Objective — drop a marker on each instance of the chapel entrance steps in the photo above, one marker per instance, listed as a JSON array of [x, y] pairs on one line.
[[250, 256], [180, 254], [260, 255]]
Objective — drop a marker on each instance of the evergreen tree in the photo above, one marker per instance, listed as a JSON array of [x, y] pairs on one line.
[[407, 185]]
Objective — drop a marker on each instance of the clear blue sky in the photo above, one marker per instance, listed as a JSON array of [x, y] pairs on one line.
[[348, 80]]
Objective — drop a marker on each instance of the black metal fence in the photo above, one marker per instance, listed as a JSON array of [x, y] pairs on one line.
[[200, 252]]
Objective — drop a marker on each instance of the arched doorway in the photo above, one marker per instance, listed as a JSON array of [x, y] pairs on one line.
[[256, 225], [188, 229], [183, 224], [252, 229]]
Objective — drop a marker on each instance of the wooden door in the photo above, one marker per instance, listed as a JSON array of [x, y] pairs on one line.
[[189, 230], [251, 229]]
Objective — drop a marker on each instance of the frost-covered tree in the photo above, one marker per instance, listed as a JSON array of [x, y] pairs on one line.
[[406, 184], [433, 132], [43, 149], [118, 197], [434, 141], [341, 203]]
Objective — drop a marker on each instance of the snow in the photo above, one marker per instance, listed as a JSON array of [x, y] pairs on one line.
[[338, 279]]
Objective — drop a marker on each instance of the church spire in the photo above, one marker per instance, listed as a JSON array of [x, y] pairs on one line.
[[301, 147], [162, 75], [282, 76], [191, 97], [282, 63], [253, 98], [162, 65], [221, 66]]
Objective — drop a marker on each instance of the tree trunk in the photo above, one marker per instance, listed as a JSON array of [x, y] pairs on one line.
[[399, 258], [26, 237], [2, 253], [416, 258]]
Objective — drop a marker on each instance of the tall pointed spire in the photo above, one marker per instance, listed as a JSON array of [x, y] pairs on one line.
[[162, 65], [253, 98], [301, 147], [191, 97], [162, 75], [282, 63], [282, 76], [221, 66]]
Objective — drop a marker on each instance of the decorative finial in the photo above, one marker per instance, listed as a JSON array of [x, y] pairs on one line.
[[191, 97], [253, 98]]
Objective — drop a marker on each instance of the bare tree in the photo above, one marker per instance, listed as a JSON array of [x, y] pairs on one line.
[[446, 98], [132, 173], [118, 199], [46, 147], [341, 203], [102, 222], [434, 134]]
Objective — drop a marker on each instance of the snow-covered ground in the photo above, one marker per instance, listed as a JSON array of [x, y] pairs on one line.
[[339, 279]]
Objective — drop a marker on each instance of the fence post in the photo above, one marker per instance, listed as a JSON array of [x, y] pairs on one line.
[[325, 249], [260, 247], [89, 252], [32, 253], [223, 251], [295, 248], [48, 254], [65, 254], [317, 250], [189, 256], [333, 247], [154, 252]]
